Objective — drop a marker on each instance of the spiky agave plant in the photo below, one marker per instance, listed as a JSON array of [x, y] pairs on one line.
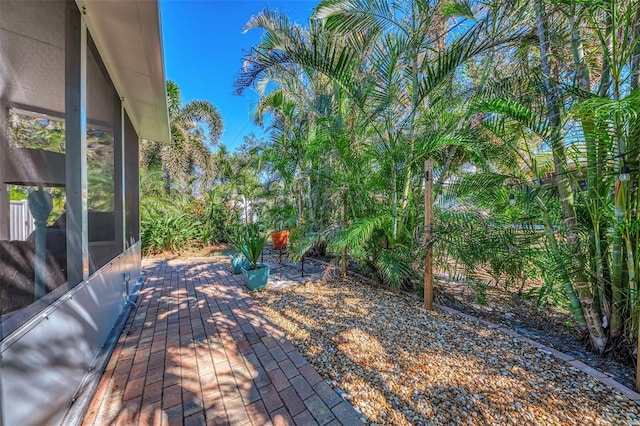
[[249, 240]]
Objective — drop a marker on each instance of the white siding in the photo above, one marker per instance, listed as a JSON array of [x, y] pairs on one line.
[[22, 223]]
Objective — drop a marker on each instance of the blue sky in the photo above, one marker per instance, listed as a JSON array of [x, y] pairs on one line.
[[203, 50]]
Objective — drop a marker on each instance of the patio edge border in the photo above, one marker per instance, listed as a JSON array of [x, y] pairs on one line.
[[603, 378]]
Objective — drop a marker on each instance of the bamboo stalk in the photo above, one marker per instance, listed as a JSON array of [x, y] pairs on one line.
[[428, 261]]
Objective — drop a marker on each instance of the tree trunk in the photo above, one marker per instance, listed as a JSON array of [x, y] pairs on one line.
[[594, 176], [246, 209], [583, 288], [300, 206], [605, 79], [635, 59]]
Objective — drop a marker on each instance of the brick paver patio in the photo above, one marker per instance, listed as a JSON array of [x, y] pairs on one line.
[[197, 351]]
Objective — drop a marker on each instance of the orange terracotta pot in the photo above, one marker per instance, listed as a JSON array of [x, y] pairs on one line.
[[279, 239]]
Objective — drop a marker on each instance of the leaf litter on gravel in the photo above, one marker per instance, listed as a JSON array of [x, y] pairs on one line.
[[401, 365]]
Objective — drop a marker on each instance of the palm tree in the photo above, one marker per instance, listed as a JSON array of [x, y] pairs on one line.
[[195, 129], [574, 107], [387, 77], [371, 88]]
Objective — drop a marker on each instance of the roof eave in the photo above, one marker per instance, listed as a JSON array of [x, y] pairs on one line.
[[128, 36]]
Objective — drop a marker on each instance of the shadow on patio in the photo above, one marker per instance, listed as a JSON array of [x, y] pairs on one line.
[[197, 351]]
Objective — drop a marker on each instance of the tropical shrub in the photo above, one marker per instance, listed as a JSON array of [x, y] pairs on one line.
[[546, 115], [165, 227]]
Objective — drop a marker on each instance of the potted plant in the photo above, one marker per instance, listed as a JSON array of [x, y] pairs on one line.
[[279, 238], [250, 241], [237, 262], [282, 217], [237, 259]]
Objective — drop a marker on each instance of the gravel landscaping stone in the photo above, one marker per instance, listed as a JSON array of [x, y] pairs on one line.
[[398, 364]]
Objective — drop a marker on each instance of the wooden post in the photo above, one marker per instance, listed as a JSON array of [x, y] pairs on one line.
[[428, 261], [343, 255]]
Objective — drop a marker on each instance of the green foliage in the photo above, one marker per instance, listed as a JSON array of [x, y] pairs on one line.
[[480, 289], [180, 208], [550, 291], [394, 266], [186, 222], [18, 193], [195, 130], [166, 227], [371, 243], [36, 132], [100, 170], [301, 241], [281, 215], [360, 97], [249, 240]]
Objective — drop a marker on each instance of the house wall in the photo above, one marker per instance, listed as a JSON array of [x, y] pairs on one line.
[[65, 137], [45, 361]]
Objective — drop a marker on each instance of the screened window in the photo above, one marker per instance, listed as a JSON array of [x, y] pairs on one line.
[[104, 218], [33, 261]]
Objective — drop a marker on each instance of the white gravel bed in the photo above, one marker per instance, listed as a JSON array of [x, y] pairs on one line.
[[401, 365]]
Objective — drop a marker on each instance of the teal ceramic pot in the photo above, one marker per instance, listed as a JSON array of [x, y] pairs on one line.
[[238, 262], [256, 278]]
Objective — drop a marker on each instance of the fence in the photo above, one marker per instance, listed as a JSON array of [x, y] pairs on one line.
[[22, 223]]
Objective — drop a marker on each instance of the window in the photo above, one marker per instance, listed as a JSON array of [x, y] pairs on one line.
[[104, 218], [33, 261], [42, 195], [28, 129]]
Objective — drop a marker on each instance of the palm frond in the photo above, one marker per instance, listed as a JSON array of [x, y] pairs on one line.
[[206, 112], [360, 232], [395, 266], [356, 15]]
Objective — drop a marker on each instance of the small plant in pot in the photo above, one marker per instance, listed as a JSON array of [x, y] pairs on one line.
[[238, 260], [250, 241], [279, 238], [282, 217]]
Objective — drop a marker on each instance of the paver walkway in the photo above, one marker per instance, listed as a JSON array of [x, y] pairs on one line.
[[197, 351]]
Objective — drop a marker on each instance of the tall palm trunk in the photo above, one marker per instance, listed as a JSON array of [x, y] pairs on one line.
[[635, 59], [583, 288], [594, 156], [300, 204], [622, 285]]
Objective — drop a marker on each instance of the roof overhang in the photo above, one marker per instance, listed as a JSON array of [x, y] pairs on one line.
[[128, 36]]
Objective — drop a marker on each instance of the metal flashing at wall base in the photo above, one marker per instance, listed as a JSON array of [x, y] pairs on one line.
[[83, 396], [43, 369]]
